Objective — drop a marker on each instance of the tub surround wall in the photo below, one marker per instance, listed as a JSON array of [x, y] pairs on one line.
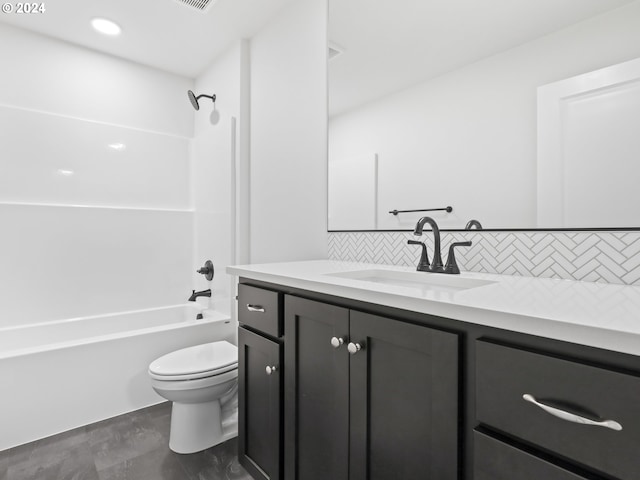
[[95, 196], [219, 148], [66, 262], [49, 75], [55, 159], [607, 257]]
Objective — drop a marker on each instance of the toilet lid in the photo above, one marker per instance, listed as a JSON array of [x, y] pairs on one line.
[[208, 358]]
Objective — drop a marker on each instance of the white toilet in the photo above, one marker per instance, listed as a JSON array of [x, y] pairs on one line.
[[202, 383]]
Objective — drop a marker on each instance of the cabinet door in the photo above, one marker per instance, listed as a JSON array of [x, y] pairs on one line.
[[259, 407], [404, 401], [316, 391]]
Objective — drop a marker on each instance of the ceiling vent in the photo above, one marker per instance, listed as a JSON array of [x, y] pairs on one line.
[[200, 5]]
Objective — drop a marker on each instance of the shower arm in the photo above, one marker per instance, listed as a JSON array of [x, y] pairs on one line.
[[212, 97]]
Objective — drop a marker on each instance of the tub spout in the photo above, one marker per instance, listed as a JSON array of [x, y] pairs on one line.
[[203, 293]]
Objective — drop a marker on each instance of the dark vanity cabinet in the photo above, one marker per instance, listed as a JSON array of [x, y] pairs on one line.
[[578, 412], [364, 397], [367, 392], [367, 397], [260, 382]]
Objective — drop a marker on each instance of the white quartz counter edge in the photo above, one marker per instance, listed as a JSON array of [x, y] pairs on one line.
[[599, 315]]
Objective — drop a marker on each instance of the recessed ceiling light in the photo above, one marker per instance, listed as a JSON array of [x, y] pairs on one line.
[[64, 172], [106, 27]]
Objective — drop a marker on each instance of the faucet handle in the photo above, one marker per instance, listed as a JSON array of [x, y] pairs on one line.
[[423, 264], [207, 270], [452, 266]]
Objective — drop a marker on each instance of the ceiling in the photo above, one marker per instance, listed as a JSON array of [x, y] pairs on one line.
[[164, 34], [387, 45], [392, 45]]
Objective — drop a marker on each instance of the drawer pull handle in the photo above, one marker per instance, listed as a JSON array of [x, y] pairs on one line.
[[572, 417], [255, 308], [270, 369]]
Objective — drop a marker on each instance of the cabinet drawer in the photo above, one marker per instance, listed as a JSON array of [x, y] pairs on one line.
[[260, 309], [494, 460], [505, 375]]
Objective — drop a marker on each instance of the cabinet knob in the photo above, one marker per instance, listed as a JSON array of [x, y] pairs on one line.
[[337, 342], [354, 348], [270, 369]]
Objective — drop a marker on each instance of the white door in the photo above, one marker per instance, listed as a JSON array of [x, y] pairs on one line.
[[589, 149]]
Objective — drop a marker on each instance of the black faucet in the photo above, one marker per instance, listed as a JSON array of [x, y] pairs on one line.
[[473, 223], [436, 265], [203, 293]]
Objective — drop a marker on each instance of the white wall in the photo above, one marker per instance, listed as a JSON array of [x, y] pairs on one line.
[[49, 75], [89, 229], [217, 147], [468, 138], [288, 135]]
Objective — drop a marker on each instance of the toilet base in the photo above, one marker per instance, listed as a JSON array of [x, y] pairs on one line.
[[198, 426]]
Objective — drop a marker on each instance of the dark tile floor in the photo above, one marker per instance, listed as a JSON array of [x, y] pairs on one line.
[[134, 446]]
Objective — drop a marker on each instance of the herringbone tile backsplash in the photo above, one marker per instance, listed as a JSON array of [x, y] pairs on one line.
[[610, 257]]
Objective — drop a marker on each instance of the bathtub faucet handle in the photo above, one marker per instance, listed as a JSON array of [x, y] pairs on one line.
[[207, 270]]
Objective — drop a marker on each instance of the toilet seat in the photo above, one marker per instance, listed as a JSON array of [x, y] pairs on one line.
[[185, 385], [201, 361]]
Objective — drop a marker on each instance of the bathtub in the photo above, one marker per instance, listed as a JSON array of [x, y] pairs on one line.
[[60, 375]]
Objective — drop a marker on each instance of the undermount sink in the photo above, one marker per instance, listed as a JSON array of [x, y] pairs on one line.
[[422, 280]]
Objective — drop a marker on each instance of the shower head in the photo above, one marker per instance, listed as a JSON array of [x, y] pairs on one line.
[[194, 100]]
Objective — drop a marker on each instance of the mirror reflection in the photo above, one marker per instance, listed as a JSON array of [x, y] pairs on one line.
[[436, 103]]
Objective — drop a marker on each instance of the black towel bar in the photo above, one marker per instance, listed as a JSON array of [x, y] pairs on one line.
[[446, 209]]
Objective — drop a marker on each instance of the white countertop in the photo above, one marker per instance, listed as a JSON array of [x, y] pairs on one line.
[[595, 314]]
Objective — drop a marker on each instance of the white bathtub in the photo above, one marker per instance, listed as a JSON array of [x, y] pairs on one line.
[[61, 375]]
